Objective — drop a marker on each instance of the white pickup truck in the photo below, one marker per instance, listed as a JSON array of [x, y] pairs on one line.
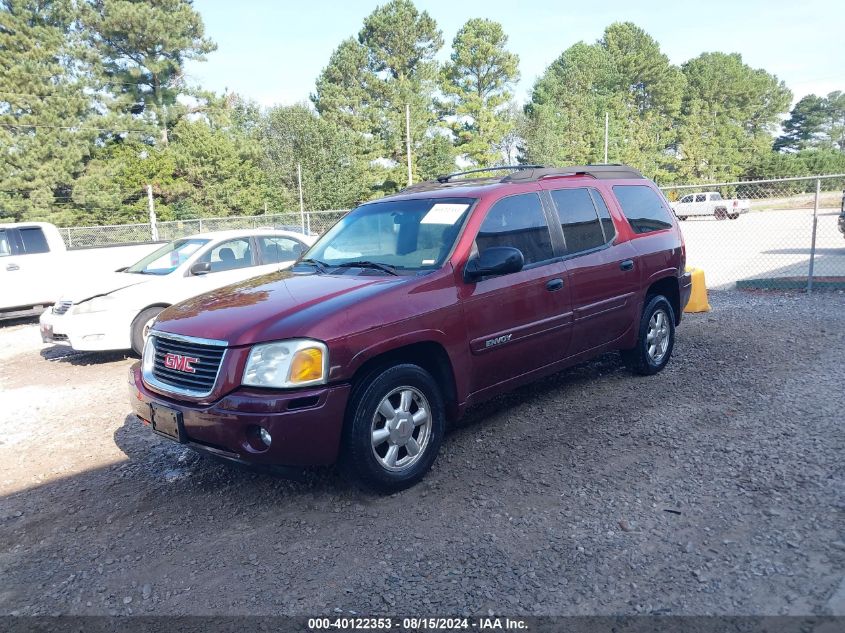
[[710, 203], [31, 255]]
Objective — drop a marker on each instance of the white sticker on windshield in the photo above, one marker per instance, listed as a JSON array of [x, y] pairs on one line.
[[444, 214]]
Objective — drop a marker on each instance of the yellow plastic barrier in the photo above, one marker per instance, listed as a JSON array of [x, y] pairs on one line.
[[698, 296]]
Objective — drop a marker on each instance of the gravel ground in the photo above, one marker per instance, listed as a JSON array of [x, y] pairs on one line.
[[717, 487]]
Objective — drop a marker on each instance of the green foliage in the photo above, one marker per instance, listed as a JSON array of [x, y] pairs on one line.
[[624, 75], [815, 122], [477, 85], [333, 175], [729, 113], [44, 109], [141, 48]]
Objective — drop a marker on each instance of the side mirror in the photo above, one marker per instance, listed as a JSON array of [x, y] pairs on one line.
[[494, 261], [200, 268]]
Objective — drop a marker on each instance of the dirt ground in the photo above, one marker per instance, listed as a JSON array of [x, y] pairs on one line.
[[716, 487]]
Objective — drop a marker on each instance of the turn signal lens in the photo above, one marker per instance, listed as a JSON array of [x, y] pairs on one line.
[[307, 365]]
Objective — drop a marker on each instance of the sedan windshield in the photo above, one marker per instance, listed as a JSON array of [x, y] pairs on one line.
[[402, 234], [168, 258]]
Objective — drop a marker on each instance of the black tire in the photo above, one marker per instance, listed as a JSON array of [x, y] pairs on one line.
[[733, 216], [682, 218], [360, 458], [638, 358], [136, 332], [721, 213]]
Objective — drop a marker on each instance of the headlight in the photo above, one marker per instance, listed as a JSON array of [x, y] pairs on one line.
[[97, 304], [285, 364]]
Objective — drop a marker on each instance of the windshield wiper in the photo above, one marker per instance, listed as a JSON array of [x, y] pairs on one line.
[[316, 263], [390, 270]]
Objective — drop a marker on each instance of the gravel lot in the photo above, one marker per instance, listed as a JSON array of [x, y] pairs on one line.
[[716, 487]]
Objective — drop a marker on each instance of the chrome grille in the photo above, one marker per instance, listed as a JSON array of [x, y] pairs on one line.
[[200, 382], [62, 306]]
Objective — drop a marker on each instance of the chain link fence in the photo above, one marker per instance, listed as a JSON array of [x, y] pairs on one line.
[[764, 234], [310, 223]]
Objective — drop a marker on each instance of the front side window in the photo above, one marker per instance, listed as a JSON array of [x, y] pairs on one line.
[[33, 241], [582, 229], [716, 196], [5, 247], [643, 208], [519, 222], [701, 197], [168, 258], [408, 235], [279, 249], [230, 255]]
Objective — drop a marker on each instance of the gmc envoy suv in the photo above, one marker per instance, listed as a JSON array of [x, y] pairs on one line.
[[411, 309]]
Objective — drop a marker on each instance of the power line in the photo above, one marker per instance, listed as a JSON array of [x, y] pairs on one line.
[[72, 127]]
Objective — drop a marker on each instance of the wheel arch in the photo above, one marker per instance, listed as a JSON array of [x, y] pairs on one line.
[[668, 287], [430, 355]]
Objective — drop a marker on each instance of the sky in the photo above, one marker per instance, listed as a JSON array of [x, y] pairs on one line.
[[272, 51]]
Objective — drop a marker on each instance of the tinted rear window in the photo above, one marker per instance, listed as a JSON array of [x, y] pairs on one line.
[[643, 208], [33, 240], [581, 228]]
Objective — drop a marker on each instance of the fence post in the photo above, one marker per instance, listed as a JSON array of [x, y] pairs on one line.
[[308, 216], [200, 225], [813, 242], [153, 227], [69, 238]]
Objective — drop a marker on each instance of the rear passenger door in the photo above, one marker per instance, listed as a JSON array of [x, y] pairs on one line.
[[602, 273], [519, 322]]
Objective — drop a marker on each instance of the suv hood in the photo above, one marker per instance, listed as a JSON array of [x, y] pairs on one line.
[[271, 307]]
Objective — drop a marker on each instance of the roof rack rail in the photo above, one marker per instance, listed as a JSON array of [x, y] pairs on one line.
[[599, 172], [447, 177]]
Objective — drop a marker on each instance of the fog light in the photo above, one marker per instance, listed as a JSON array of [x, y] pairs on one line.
[[265, 436]]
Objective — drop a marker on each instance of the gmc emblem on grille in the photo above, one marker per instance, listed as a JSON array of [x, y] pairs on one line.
[[180, 363]]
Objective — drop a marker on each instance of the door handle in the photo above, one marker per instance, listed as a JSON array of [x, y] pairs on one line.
[[554, 284], [12, 267], [628, 264]]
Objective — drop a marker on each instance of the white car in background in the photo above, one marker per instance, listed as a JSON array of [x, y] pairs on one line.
[[114, 311], [710, 204]]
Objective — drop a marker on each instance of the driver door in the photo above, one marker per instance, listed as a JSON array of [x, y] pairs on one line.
[[520, 322]]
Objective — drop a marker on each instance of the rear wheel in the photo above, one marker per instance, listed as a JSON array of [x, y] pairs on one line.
[[141, 327], [394, 428], [721, 213], [733, 216], [656, 338]]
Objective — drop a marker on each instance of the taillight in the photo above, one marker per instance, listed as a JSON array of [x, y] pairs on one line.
[[736, 203]]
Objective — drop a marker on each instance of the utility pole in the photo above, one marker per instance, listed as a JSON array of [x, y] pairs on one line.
[[408, 140], [301, 204], [606, 129], [151, 206]]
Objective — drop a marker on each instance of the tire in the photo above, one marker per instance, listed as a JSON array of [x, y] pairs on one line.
[[136, 331], [721, 213], [733, 216], [682, 218], [370, 437], [641, 359]]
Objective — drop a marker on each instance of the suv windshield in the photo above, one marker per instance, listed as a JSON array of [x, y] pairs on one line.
[[168, 258], [404, 234]]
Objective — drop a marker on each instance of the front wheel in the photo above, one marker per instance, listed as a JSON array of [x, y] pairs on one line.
[[394, 428], [656, 338], [141, 327], [721, 213]]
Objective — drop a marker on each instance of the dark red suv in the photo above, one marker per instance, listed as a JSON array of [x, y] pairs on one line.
[[412, 308]]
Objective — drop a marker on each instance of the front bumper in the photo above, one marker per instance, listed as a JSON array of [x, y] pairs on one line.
[[305, 424], [96, 331]]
